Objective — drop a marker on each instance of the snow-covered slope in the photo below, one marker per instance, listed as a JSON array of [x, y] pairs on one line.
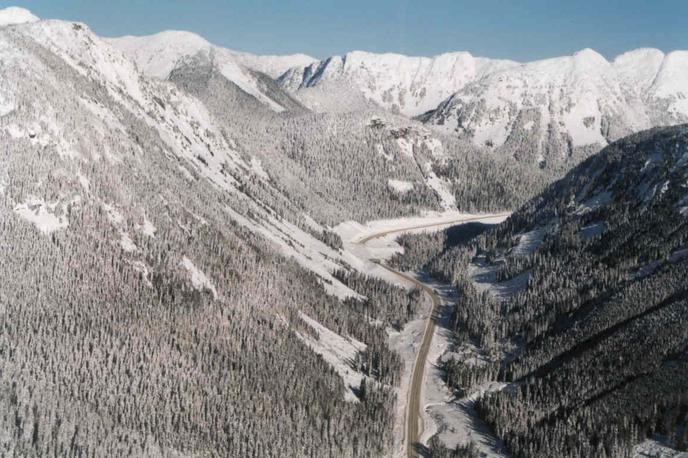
[[15, 15], [273, 66], [57, 75], [407, 85], [158, 55], [132, 222], [550, 108]]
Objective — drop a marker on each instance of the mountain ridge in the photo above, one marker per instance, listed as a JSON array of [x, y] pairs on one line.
[[159, 54], [272, 65]]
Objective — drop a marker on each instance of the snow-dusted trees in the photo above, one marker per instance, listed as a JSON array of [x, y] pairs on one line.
[[151, 323], [595, 343], [337, 166]]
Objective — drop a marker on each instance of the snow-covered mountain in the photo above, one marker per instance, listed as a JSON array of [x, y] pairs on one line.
[[141, 235], [15, 15], [401, 84], [541, 112], [552, 107], [158, 55], [83, 81], [166, 209], [282, 177]]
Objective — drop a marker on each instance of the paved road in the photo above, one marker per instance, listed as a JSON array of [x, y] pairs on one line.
[[413, 429]]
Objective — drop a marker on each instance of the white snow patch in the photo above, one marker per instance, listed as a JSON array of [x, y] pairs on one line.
[[15, 131], [141, 267], [127, 243], [593, 230], [113, 215], [656, 448], [198, 278], [42, 215], [436, 148], [406, 147], [15, 15], [484, 277], [574, 122], [258, 169], [595, 202], [339, 352], [313, 224], [381, 151], [400, 186], [83, 181], [529, 242], [305, 249], [185, 172], [441, 187], [148, 228], [6, 105]]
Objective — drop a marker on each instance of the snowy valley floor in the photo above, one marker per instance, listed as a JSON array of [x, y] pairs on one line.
[[454, 421]]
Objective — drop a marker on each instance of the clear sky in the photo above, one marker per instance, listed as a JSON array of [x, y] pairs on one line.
[[516, 29]]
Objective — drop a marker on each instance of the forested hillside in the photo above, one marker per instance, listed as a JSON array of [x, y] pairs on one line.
[[359, 165], [140, 315], [579, 302]]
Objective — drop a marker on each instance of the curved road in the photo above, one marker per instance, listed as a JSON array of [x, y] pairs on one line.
[[413, 429]]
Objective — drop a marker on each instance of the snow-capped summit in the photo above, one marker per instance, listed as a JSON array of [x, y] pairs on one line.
[[590, 57], [16, 15], [403, 84], [158, 55], [542, 110], [554, 108], [638, 67]]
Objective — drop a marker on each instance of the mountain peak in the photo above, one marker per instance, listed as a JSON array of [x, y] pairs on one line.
[[590, 56], [15, 15]]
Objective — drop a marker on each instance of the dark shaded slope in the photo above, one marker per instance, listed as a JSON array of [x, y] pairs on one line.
[[600, 328]]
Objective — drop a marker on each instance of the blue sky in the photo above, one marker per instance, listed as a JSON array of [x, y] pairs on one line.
[[516, 29]]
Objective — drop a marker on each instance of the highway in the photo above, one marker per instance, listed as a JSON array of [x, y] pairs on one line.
[[413, 423]]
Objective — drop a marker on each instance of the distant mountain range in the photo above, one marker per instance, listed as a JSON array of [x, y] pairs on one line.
[[541, 112]]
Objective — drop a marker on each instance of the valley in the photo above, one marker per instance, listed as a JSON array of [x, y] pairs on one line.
[[414, 408], [208, 252]]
